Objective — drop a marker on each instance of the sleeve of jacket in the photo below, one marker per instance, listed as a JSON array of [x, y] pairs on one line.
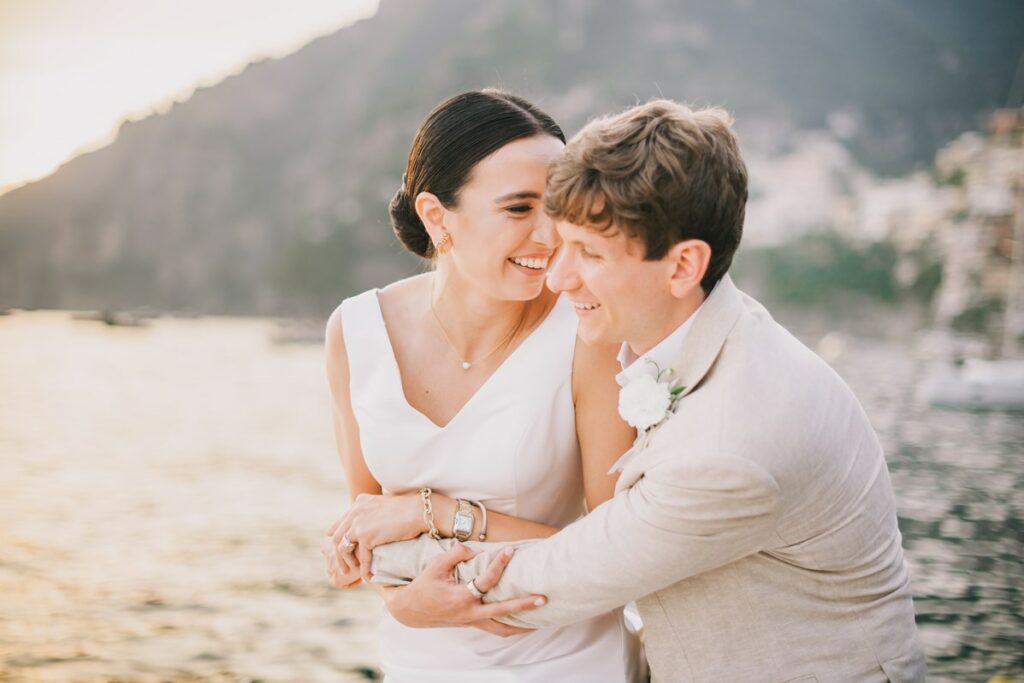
[[683, 516]]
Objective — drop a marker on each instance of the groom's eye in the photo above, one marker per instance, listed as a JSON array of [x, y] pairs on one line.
[[519, 209]]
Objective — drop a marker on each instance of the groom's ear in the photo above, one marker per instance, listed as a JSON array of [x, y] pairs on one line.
[[689, 260]]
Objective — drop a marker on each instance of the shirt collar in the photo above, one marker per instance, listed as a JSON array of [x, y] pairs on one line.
[[663, 354]]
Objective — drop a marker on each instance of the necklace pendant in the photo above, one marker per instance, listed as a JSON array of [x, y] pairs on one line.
[[466, 365]]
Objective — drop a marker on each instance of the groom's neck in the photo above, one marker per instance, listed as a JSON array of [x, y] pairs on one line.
[[676, 312]]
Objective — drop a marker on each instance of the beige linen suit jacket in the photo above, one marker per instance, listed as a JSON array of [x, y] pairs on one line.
[[756, 531]]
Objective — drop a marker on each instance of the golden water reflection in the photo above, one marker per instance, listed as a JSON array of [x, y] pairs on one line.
[[164, 488], [162, 495]]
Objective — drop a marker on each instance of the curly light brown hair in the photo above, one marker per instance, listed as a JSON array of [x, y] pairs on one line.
[[660, 172]]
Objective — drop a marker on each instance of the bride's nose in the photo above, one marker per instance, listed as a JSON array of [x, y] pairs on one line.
[[544, 232]]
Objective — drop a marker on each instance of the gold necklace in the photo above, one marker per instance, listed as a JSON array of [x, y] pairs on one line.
[[466, 365]]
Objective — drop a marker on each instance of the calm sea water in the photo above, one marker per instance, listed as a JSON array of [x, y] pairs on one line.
[[163, 491]]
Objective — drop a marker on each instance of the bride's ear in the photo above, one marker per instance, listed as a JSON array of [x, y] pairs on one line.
[[431, 212], [689, 260]]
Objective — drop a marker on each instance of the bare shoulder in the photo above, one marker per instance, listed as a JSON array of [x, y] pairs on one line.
[[394, 299], [334, 334], [402, 298]]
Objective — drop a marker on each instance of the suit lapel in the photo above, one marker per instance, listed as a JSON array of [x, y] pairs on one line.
[[703, 343], [711, 327]]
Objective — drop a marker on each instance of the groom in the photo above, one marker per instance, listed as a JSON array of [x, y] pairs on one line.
[[754, 522]]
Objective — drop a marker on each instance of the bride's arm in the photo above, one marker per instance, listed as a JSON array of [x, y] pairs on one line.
[[603, 435], [346, 430], [375, 520], [343, 567]]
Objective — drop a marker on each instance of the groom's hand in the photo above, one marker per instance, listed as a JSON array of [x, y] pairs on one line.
[[434, 599]]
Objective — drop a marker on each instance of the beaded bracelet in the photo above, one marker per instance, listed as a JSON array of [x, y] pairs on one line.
[[428, 514]]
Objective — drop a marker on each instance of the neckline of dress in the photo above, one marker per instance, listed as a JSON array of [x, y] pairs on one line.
[[479, 390]]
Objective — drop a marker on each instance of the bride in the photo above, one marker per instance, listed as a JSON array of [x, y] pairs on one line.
[[463, 404]]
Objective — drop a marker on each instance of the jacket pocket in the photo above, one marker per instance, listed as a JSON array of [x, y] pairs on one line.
[[809, 678], [909, 669]]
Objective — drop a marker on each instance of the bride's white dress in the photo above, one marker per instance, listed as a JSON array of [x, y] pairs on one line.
[[513, 446]]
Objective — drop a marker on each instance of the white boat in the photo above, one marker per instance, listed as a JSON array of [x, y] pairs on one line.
[[976, 384], [968, 382]]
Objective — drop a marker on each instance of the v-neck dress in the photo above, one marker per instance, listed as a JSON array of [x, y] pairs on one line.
[[512, 446]]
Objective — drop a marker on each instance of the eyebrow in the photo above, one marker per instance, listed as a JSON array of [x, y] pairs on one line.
[[517, 195]]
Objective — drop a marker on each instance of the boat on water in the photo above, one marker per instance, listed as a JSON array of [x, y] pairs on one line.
[[112, 318], [976, 384], [961, 375]]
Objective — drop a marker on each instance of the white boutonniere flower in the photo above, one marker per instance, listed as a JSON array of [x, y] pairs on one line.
[[646, 401]]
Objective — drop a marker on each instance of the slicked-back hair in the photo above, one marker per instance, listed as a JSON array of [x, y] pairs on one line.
[[458, 134], [660, 172]]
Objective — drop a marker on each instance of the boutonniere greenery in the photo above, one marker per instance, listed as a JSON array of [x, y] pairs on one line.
[[646, 401]]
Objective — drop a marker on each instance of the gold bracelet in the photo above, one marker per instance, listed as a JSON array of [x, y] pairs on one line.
[[428, 514]]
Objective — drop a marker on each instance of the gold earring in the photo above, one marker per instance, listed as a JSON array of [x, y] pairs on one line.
[[445, 245]]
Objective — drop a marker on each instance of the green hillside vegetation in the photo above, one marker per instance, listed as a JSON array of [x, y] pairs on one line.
[[267, 193], [820, 269]]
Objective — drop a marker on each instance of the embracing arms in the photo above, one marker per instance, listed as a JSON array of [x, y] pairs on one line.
[[682, 516], [375, 519]]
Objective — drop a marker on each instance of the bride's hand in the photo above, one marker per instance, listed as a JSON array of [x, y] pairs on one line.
[[374, 520], [434, 598], [342, 573]]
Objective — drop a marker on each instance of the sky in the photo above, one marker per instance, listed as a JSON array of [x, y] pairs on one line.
[[72, 70]]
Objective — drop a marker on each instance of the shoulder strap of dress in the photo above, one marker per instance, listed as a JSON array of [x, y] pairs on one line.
[[365, 340]]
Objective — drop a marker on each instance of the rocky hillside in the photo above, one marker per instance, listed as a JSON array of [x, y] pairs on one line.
[[267, 192]]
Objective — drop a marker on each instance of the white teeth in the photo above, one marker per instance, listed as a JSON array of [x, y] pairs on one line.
[[534, 263], [586, 307]]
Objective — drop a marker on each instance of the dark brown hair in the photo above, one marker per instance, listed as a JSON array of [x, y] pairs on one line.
[[455, 136], [660, 172]]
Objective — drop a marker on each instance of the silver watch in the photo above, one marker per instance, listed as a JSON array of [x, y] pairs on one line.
[[462, 526]]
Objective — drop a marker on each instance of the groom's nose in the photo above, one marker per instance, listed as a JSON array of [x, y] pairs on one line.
[[562, 276]]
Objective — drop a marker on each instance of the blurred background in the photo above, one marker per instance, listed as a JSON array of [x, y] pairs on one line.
[[188, 189]]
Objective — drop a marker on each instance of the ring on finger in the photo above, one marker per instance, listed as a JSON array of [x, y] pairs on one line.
[[346, 542], [474, 591]]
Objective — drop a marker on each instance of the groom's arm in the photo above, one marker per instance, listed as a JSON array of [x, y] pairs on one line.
[[398, 563], [682, 517]]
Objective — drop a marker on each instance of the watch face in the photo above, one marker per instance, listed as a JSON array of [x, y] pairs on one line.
[[463, 524]]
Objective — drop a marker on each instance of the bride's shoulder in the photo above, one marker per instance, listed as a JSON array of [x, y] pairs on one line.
[[401, 300], [391, 299], [401, 292]]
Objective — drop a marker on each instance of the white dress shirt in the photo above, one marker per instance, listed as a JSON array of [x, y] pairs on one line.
[[663, 354]]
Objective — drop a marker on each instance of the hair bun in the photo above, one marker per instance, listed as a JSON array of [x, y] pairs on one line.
[[408, 226]]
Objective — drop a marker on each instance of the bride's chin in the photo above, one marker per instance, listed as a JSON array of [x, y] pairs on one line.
[[520, 291]]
